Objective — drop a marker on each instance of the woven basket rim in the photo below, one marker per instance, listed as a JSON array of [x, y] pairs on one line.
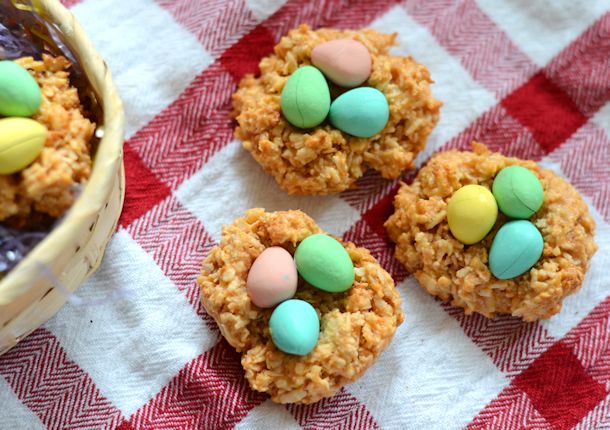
[[93, 198]]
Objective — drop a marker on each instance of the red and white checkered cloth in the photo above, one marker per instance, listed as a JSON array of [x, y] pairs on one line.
[[528, 78]]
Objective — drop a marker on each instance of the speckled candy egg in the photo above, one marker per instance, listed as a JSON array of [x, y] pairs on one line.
[[295, 327], [21, 141], [272, 278], [361, 112], [471, 212], [518, 192], [305, 98], [516, 248], [346, 62], [324, 263], [20, 94]]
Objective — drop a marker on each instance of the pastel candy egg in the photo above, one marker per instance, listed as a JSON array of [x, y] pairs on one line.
[[305, 98], [346, 62], [21, 140], [516, 248], [272, 278], [324, 263], [518, 192], [295, 327], [471, 212], [361, 112], [20, 94]]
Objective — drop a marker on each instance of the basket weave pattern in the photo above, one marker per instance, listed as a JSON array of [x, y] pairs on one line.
[[73, 250]]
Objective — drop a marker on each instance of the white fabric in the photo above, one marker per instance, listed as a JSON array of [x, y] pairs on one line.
[[152, 57], [15, 415], [463, 98], [231, 182], [542, 28], [135, 345], [432, 375]]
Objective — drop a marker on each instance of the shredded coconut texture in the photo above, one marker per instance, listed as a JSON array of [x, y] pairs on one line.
[[324, 160], [49, 185], [356, 326], [450, 270]]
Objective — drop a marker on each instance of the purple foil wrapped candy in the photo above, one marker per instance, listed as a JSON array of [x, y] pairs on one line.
[[14, 245]]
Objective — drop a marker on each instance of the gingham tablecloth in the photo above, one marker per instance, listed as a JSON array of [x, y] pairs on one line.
[[528, 78]]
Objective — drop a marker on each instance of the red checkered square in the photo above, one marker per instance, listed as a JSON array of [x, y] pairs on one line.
[[582, 70], [500, 132], [180, 139], [244, 56], [178, 243], [512, 409], [586, 162], [143, 189], [511, 343], [464, 30], [55, 388], [218, 24], [559, 387], [376, 216], [341, 411], [209, 392], [589, 342], [363, 235], [545, 110]]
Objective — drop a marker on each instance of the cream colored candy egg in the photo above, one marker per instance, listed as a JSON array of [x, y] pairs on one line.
[[272, 277], [21, 140], [472, 212]]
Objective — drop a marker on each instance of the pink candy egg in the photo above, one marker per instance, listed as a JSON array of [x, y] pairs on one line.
[[272, 277], [346, 62]]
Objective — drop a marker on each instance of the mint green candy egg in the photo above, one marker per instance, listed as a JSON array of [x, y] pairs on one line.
[[518, 192], [305, 98], [295, 327], [515, 249], [20, 94], [361, 112], [324, 263]]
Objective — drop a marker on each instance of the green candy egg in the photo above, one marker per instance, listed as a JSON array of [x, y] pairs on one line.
[[324, 263], [515, 249], [518, 192], [20, 94], [295, 327], [361, 112], [305, 98]]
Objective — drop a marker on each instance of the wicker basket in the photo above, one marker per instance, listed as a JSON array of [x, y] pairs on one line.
[[74, 249]]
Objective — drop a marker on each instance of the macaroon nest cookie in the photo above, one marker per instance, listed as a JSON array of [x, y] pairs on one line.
[[450, 270], [323, 159], [355, 326], [49, 185]]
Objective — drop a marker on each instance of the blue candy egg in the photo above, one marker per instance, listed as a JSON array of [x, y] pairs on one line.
[[295, 327], [361, 112], [516, 248]]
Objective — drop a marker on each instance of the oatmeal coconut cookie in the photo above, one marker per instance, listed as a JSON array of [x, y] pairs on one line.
[[48, 186], [451, 270], [350, 324], [392, 107]]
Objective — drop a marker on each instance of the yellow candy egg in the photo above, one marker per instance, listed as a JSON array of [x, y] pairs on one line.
[[471, 212], [21, 140]]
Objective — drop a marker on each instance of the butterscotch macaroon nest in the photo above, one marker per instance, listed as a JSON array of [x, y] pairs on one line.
[[448, 269], [325, 160], [355, 326], [48, 186]]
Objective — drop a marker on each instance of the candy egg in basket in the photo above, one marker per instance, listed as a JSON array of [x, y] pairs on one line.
[[61, 162]]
